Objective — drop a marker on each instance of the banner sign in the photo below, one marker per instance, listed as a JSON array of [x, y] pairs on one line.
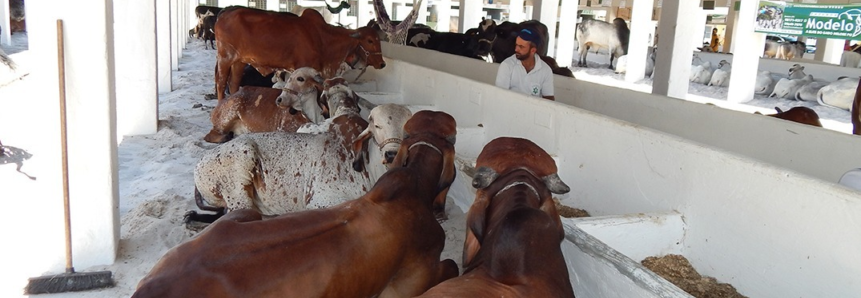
[[839, 21]]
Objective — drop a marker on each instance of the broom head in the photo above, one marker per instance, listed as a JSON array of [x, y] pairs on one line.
[[69, 282]]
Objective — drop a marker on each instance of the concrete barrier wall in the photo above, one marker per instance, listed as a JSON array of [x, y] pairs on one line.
[[820, 70], [812, 151], [769, 231]]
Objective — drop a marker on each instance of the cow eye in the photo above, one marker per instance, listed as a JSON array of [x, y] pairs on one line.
[[377, 126], [301, 79]]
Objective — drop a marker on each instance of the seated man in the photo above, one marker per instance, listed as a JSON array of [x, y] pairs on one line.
[[525, 72]]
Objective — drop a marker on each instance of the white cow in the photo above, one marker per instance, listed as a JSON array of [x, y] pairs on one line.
[[764, 83], [720, 77], [796, 72], [701, 73], [808, 91], [786, 88], [275, 173], [839, 94]]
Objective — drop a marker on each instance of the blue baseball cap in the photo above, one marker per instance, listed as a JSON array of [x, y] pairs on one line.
[[529, 36]]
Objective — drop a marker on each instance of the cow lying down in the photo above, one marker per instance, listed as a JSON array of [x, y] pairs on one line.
[[512, 247], [260, 109], [386, 243], [279, 172]]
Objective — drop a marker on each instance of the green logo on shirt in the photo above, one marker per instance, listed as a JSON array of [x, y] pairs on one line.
[[534, 90]]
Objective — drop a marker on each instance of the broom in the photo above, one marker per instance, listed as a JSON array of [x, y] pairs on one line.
[[70, 280]]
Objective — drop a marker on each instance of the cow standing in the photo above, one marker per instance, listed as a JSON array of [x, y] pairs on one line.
[[271, 40], [599, 34]]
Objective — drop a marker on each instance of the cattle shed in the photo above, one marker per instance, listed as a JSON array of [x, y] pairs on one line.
[[751, 200], [736, 194]]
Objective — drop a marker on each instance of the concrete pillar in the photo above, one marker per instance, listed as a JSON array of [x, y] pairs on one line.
[[443, 15], [829, 50], [611, 13], [174, 38], [163, 43], [700, 24], [547, 12], [365, 12], [6, 35], [423, 13], [641, 28], [731, 21], [745, 60], [515, 11], [91, 136], [673, 61], [136, 67], [567, 26], [470, 15]]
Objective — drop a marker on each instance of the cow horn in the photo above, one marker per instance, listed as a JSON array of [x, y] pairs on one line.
[[318, 78], [555, 184], [483, 177], [451, 139]]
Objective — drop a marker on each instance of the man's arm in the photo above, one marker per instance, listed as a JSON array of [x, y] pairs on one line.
[[547, 85], [503, 76]]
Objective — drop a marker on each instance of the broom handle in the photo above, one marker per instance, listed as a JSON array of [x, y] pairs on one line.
[[67, 213]]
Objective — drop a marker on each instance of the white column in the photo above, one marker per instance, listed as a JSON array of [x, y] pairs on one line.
[[515, 10], [183, 32], [91, 135], [163, 46], [443, 15], [273, 5], [423, 13], [700, 25], [174, 38], [365, 12], [5, 12], [470, 14], [731, 21], [546, 12], [674, 53], [136, 67], [829, 50], [745, 60], [641, 28], [567, 26]]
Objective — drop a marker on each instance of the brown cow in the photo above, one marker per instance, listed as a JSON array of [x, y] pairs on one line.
[[514, 231], [803, 115], [384, 244], [271, 40], [257, 109]]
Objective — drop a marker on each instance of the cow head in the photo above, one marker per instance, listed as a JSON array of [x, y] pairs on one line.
[[279, 80], [439, 130], [503, 163], [368, 49], [386, 125], [485, 35], [300, 93], [338, 99]]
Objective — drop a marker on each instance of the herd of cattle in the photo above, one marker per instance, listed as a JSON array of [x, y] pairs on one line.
[[297, 212]]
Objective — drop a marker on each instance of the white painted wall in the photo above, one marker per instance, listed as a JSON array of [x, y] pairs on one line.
[[5, 26], [743, 216], [136, 67], [91, 104], [828, 72], [786, 144]]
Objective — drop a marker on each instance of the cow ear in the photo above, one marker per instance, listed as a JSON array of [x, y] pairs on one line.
[[555, 184], [359, 143], [402, 156], [475, 222]]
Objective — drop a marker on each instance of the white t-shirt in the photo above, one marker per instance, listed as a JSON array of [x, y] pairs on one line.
[[513, 76]]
